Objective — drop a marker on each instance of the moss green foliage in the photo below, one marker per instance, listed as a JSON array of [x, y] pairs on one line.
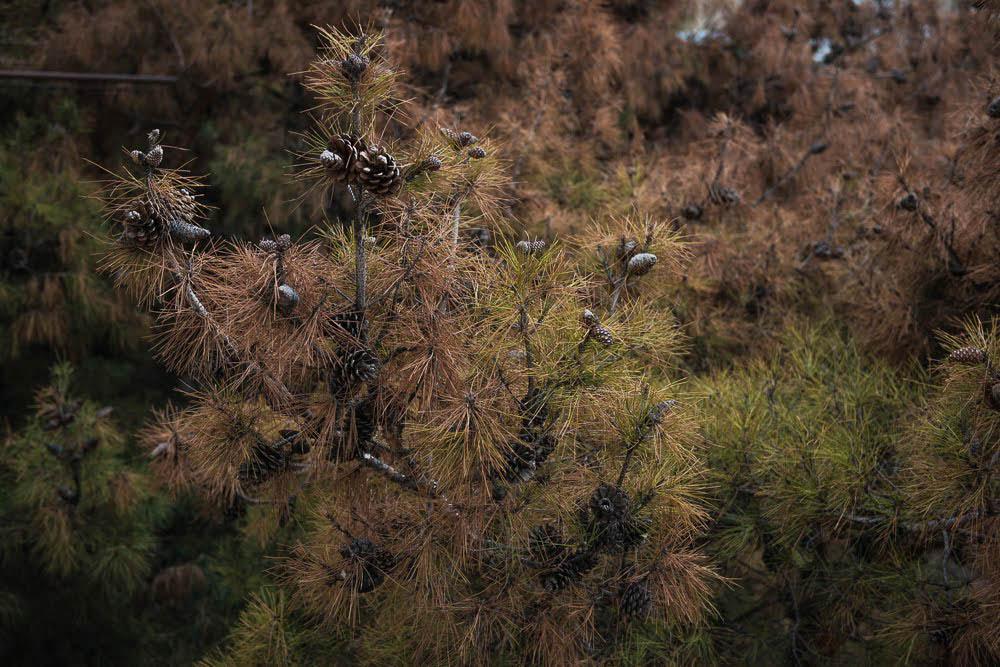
[[48, 292], [90, 548], [841, 483], [798, 441], [77, 524]]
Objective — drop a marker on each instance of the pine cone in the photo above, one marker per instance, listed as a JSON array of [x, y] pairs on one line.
[[141, 228], [641, 264], [361, 365], [154, 157], [186, 205], [909, 202], [968, 355], [178, 210], [430, 164], [340, 157], [288, 298], [353, 66], [692, 212], [602, 335], [477, 153], [993, 108], [609, 503], [720, 195], [186, 231], [459, 139], [610, 522], [377, 171], [636, 600], [531, 247], [659, 411], [555, 580], [265, 461], [371, 562], [589, 319], [570, 570]]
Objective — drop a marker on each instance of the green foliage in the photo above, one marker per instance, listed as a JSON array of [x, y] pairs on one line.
[[806, 431], [49, 293], [575, 185], [265, 634], [77, 521], [799, 443]]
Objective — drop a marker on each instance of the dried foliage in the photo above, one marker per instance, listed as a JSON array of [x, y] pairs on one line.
[[465, 424], [454, 400]]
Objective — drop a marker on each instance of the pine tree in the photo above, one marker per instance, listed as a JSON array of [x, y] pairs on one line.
[[78, 528], [423, 402]]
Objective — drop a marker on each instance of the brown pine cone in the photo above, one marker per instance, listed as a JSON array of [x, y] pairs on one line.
[[459, 139], [609, 503], [354, 66], [720, 195], [340, 157], [142, 227], [968, 355], [185, 205], [361, 365], [529, 247], [370, 562], [692, 212], [993, 108], [602, 335], [377, 171], [636, 600], [641, 264]]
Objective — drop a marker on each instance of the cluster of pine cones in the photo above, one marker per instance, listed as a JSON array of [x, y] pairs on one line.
[[610, 525], [156, 216], [351, 160], [159, 213]]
